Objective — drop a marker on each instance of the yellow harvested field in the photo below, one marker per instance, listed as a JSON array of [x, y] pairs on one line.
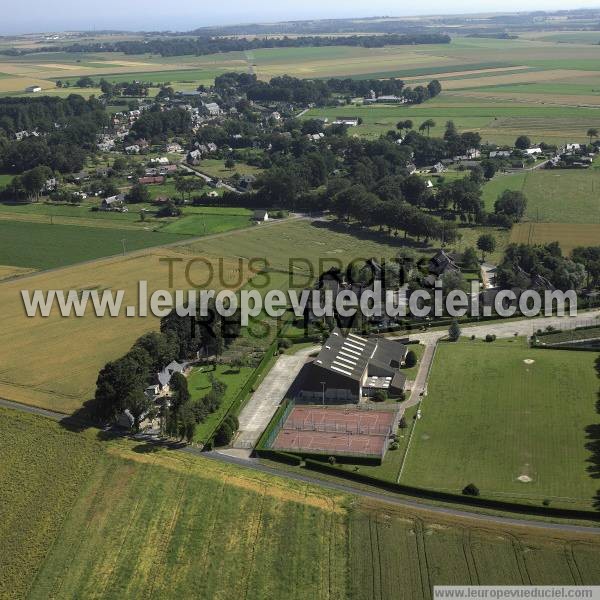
[[519, 77], [18, 84], [7, 271], [462, 73], [53, 362], [568, 235]]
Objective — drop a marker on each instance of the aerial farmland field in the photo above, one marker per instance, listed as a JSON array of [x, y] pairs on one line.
[[568, 235], [87, 343], [553, 196], [122, 516]]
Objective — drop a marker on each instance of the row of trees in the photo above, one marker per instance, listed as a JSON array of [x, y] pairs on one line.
[[201, 45], [304, 91]]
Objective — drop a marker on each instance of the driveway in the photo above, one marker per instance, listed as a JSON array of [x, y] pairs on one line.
[[259, 410]]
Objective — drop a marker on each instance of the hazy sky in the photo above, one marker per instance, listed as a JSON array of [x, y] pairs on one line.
[[56, 15]]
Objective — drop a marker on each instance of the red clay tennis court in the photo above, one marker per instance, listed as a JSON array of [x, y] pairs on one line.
[[318, 442], [336, 431], [340, 420]]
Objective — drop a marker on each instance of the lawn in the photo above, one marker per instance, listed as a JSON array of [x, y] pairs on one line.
[[203, 224], [503, 419], [214, 167], [61, 245], [5, 180], [199, 386], [87, 518]]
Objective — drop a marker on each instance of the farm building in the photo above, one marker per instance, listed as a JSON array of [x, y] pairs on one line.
[[158, 179], [348, 121], [349, 368]]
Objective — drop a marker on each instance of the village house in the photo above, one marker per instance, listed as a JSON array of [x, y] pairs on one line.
[[533, 151], [114, 203], [214, 110], [173, 147], [163, 160], [438, 168], [246, 182], [164, 377], [194, 157]]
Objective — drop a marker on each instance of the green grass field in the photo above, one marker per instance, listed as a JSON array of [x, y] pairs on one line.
[[216, 168], [503, 418], [44, 246], [121, 519], [287, 245], [496, 121], [553, 196], [203, 224]]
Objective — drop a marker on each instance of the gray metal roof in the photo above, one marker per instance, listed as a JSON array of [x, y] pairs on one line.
[[348, 356]]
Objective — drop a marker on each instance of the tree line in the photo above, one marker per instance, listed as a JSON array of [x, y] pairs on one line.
[[198, 46], [121, 383]]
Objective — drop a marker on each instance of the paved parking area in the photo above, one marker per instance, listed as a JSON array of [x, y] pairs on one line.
[[257, 413]]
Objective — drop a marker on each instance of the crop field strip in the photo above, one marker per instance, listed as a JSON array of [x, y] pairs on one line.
[[118, 517]]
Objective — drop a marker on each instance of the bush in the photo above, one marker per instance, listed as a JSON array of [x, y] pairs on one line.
[[380, 396], [490, 338], [224, 434], [284, 343], [394, 446], [471, 490], [454, 331], [411, 359]]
